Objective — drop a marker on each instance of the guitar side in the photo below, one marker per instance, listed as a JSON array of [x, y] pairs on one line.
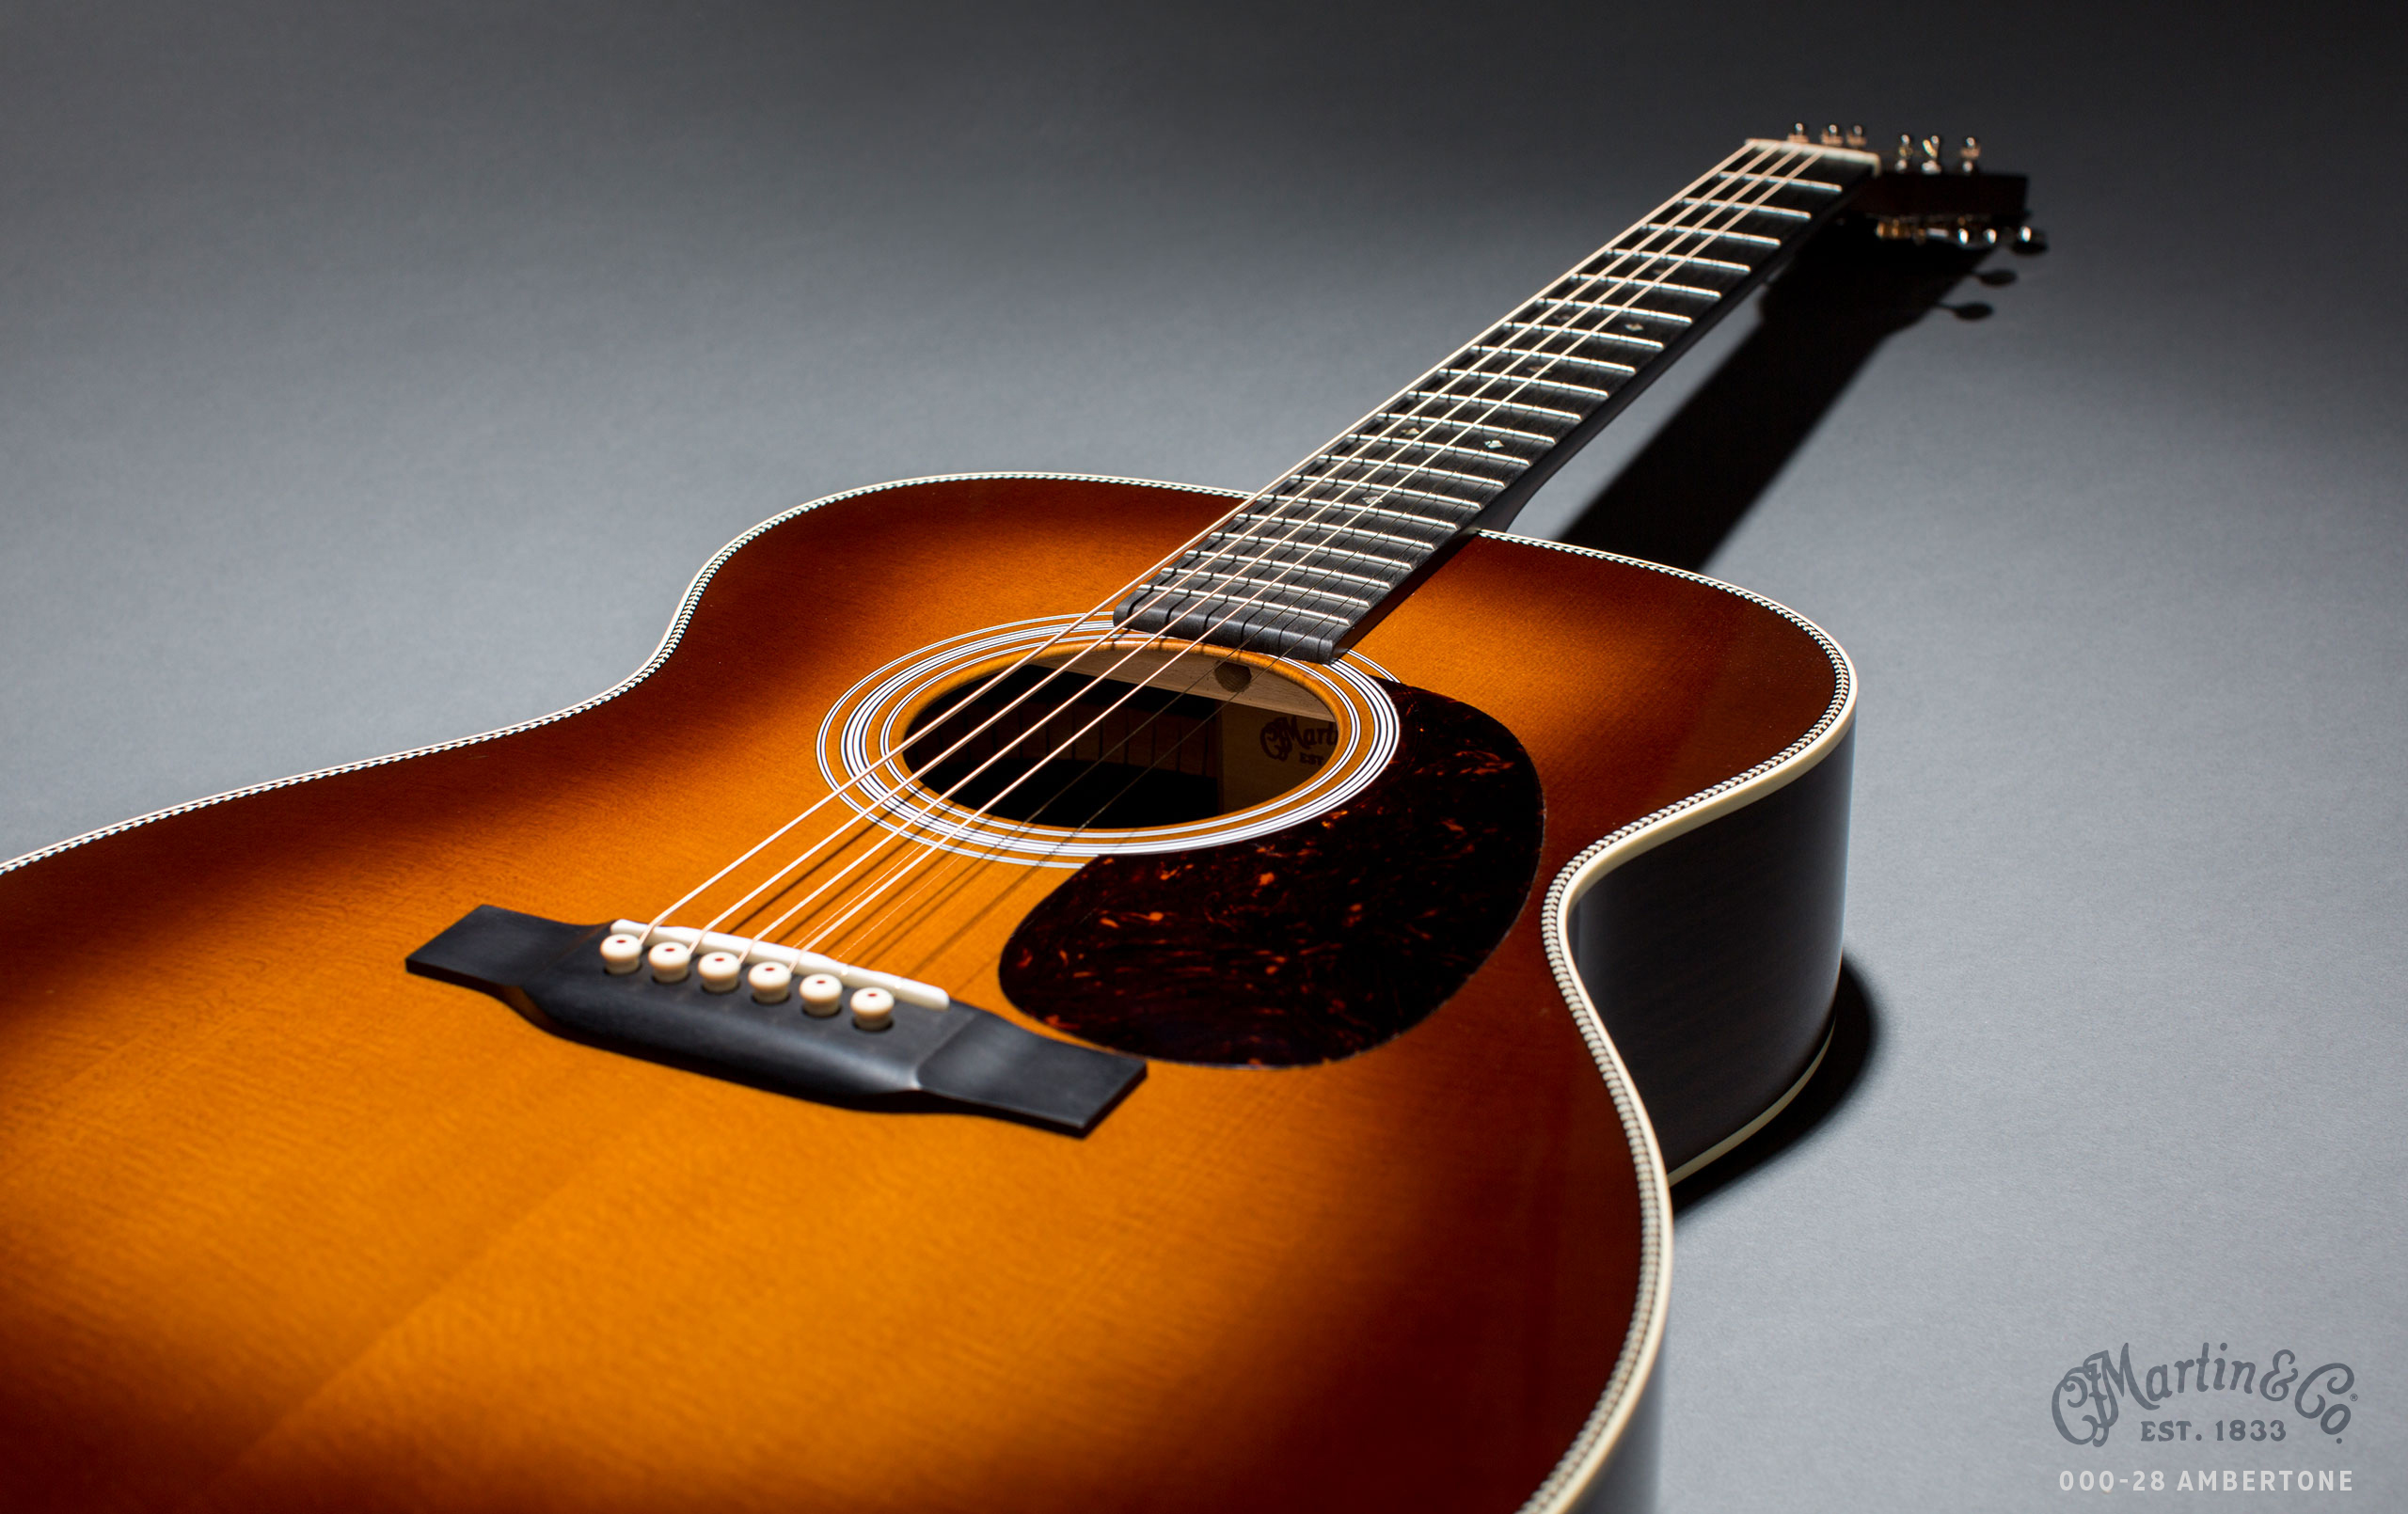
[[305, 1230]]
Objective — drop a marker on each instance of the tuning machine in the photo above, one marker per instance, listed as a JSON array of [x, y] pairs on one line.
[[1831, 137], [1931, 195]]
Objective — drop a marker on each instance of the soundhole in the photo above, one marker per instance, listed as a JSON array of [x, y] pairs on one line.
[[1169, 742]]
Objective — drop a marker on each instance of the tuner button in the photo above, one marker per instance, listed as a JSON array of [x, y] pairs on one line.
[[1930, 155], [1831, 135], [2030, 240], [621, 954], [873, 1009], [669, 960], [720, 971], [1969, 157], [1856, 136], [769, 981], [1906, 152], [820, 994], [1798, 133]]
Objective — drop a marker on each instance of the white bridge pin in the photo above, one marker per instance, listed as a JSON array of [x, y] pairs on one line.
[[820, 994], [720, 970], [873, 1008], [669, 960], [621, 954], [769, 981]]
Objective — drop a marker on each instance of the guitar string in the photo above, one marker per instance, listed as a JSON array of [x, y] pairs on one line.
[[1619, 257], [1201, 569], [902, 867], [935, 888], [1643, 254], [902, 863], [1725, 166]]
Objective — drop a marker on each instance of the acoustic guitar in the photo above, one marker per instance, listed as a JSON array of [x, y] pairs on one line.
[[1044, 993]]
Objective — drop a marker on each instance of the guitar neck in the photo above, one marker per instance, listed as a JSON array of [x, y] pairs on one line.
[[1311, 562]]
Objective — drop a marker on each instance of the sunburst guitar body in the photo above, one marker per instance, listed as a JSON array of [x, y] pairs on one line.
[[1160, 1068]]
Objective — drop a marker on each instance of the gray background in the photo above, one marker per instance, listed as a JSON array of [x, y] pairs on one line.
[[373, 376]]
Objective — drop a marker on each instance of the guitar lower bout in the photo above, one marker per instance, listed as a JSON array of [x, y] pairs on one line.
[[424, 1255]]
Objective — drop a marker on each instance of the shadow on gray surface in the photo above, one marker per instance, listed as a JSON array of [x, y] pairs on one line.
[[1688, 488], [1856, 1032]]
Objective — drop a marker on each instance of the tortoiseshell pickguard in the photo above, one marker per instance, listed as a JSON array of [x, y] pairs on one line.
[[1310, 944]]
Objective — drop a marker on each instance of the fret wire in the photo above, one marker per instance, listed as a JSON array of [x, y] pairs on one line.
[[1573, 415], [1383, 584], [1646, 261], [1527, 378], [1450, 501], [1400, 517], [1404, 516], [1623, 368], [1341, 596], [1681, 230], [1381, 510], [1524, 381], [1685, 258], [1751, 210], [1733, 236], [1793, 181], [1587, 335], [1425, 469], [1655, 227], [1421, 395], [1654, 285], [1643, 254], [1498, 456], [1539, 437], [1403, 564], [1674, 316], [1456, 511], [1195, 601], [1495, 454], [1792, 161], [1414, 541]]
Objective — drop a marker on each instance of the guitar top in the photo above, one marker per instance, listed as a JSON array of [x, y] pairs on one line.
[[1046, 992]]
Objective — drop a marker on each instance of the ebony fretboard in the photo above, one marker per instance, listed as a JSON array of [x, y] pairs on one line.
[[1310, 562]]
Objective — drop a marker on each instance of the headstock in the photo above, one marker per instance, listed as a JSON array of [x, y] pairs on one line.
[[1926, 195]]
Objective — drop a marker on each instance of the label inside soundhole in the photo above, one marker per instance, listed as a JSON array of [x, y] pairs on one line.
[[1154, 741]]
